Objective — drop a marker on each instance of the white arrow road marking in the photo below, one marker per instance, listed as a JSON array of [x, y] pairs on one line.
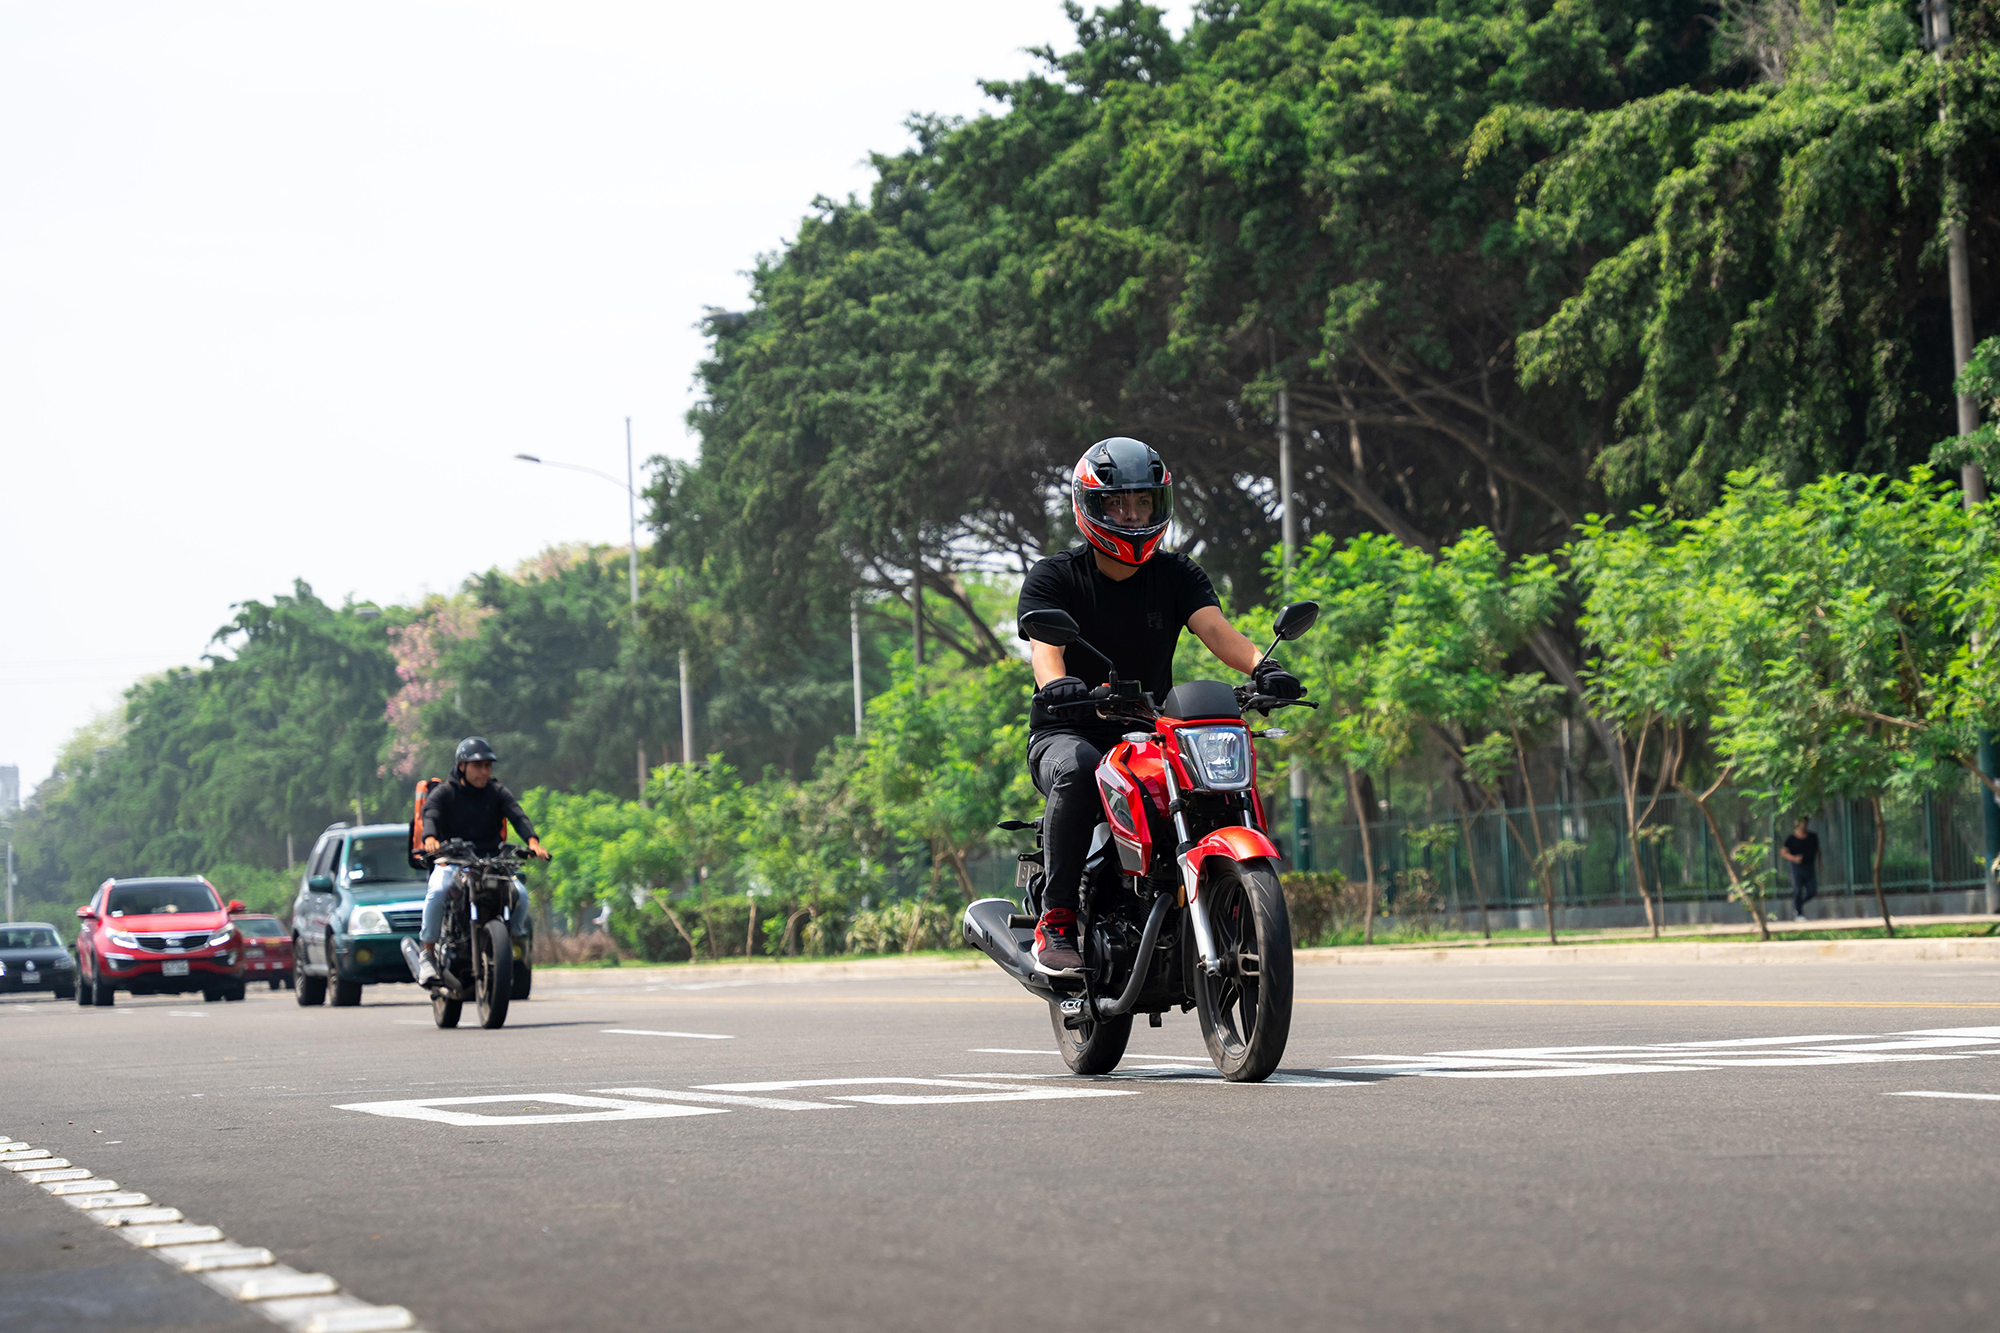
[[596, 1108], [725, 1099], [648, 1032], [989, 1092], [1955, 1096]]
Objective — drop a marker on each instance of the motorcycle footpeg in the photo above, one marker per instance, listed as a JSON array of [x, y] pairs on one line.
[[1073, 1010]]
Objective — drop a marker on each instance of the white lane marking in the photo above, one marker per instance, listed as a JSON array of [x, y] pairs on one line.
[[725, 1099], [1022, 1050], [973, 1092], [185, 1013], [1820, 1049], [596, 1108], [650, 1032], [301, 1301], [414, 1022], [1955, 1096]]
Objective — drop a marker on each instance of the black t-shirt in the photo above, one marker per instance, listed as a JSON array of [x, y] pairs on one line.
[[1136, 622], [1807, 850]]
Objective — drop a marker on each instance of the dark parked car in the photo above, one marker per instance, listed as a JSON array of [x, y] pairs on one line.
[[33, 959], [267, 948], [158, 937], [360, 899]]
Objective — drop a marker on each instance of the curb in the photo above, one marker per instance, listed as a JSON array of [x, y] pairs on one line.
[[1672, 952]]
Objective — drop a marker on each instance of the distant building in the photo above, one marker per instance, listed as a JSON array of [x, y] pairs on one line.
[[10, 787]]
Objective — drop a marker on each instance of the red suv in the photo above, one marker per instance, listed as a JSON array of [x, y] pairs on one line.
[[158, 937]]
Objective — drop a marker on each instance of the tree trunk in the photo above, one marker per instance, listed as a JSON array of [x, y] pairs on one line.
[[964, 878], [1628, 782], [792, 943], [1472, 865], [1367, 858], [1881, 838], [1729, 865], [750, 935], [660, 897], [1541, 860]]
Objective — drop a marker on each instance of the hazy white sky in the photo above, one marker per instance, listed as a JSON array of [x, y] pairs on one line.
[[284, 287]]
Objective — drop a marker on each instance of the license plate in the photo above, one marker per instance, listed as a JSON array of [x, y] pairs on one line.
[[31, 978], [254, 953], [173, 969]]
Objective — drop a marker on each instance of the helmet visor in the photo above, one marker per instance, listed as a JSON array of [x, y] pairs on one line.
[[1140, 510]]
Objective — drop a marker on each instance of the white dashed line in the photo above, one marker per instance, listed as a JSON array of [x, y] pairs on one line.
[[649, 1032], [1954, 1096], [303, 1302]]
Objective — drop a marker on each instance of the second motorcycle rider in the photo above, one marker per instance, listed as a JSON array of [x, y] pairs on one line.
[[471, 806], [1132, 600]]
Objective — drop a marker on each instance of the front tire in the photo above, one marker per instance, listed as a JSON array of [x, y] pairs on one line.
[[342, 993], [445, 1012], [524, 970], [493, 973], [1246, 1012], [311, 990], [1094, 1048], [101, 993]]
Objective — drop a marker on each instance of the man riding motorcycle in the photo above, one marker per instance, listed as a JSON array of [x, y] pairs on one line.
[[1131, 600], [472, 806]]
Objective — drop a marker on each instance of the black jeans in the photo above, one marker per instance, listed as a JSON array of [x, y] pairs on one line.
[[1064, 767], [1805, 888]]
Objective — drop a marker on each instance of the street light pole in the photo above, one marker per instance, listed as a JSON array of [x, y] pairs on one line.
[[1302, 848]]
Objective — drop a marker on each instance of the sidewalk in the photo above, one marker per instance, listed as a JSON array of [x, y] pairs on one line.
[[1622, 947]]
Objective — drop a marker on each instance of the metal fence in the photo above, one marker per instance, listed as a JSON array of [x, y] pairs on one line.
[[1933, 844]]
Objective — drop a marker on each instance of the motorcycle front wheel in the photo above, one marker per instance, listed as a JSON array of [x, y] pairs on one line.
[[493, 972], [1246, 1011]]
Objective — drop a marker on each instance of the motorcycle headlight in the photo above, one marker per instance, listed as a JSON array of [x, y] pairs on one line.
[[368, 921], [124, 941], [1221, 756], [219, 937]]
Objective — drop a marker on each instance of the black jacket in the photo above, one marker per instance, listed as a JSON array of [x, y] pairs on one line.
[[457, 809]]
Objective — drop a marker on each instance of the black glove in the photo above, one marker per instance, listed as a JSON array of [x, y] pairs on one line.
[[1063, 690], [1271, 678]]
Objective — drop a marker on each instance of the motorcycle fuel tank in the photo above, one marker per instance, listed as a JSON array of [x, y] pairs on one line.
[[1131, 780]]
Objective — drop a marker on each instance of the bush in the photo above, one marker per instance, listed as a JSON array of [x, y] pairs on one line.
[[903, 928], [1322, 905]]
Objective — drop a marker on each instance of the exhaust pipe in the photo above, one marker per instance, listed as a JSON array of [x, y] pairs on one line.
[[988, 925], [1142, 966]]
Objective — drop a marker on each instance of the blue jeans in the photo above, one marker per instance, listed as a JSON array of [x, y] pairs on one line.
[[441, 879]]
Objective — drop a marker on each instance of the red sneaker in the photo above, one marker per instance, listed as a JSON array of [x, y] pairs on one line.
[[1055, 942]]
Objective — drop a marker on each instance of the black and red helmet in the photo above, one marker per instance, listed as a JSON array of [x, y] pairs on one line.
[[1122, 466]]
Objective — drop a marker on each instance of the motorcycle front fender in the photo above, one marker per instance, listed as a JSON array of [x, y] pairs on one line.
[[1236, 843]]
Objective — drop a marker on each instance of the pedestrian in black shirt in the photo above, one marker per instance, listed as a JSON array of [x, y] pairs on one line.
[[1802, 850], [1132, 603]]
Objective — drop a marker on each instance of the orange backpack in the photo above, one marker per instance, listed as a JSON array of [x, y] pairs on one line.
[[417, 822]]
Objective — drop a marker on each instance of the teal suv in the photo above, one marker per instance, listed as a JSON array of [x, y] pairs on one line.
[[359, 900]]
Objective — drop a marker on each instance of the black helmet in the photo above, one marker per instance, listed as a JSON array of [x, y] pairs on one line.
[[473, 749], [1121, 465]]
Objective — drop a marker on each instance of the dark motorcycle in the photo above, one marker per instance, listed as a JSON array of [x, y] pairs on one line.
[[476, 949], [1202, 928]]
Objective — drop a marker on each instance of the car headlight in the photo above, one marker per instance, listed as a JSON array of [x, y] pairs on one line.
[[124, 941], [368, 921], [62, 964], [1221, 756], [220, 937]]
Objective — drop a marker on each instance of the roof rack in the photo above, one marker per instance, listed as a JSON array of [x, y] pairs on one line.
[[337, 824]]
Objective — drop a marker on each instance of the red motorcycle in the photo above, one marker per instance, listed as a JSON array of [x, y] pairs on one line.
[[1200, 927]]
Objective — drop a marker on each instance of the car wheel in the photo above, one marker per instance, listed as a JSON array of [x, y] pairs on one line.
[[82, 991], [209, 995], [101, 994], [277, 983], [342, 993], [311, 989], [235, 990]]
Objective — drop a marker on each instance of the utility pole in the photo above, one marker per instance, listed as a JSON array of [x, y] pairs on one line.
[[687, 706], [1972, 482], [632, 571], [1302, 847], [854, 639]]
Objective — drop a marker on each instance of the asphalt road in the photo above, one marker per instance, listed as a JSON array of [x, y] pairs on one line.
[[1728, 1150]]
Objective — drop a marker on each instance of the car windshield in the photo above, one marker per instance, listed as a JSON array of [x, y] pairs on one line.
[[386, 857], [29, 937], [147, 899], [260, 927]]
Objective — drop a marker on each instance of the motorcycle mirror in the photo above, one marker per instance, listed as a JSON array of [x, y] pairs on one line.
[[1295, 620], [85, 914], [320, 884], [1048, 625], [236, 906]]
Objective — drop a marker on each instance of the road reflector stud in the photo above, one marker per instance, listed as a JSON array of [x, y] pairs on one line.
[[137, 1217], [368, 1319], [122, 1199], [11, 1156], [93, 1186], [42, 1163], [220, 1258], [152, 1238], [286, 1286], [55, 1173]]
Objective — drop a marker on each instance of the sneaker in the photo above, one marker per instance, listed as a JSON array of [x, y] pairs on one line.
[[427, 968], [1055, 942]]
